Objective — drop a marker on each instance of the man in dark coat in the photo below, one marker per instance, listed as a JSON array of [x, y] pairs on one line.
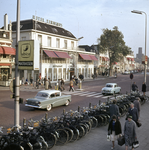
[[134, 87], [114, 110], [144, 88], [133, 112]]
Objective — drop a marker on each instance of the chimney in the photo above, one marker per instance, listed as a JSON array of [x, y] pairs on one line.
[[6, 22]]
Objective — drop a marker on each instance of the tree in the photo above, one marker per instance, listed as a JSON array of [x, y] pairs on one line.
[[113, 42]]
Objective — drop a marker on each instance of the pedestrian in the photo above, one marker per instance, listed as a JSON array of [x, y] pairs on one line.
[[45, 79], [50, 87], [31, 80], [130, 132], [114, 130], [134, 87], [76, 80], [71, 86], [26, 81], [137, 105], [114, 110], [133, 112], [144, 88], [37, 84]]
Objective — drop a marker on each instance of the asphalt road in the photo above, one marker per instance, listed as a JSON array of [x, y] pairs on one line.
[[79, 98]]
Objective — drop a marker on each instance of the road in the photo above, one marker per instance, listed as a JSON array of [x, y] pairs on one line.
[[91, 94]]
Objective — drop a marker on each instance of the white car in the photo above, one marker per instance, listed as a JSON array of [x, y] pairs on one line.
[[111, 88]]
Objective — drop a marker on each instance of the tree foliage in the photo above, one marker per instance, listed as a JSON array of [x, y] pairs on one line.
[[113, 41]]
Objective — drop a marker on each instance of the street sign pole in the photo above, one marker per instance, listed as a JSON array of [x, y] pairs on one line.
[[16, 101]]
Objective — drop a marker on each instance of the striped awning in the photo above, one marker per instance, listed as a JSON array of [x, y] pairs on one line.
[[7, 50]]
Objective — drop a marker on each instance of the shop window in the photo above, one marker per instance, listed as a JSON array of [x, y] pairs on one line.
[[50, 73], [55, 74], [64, 73], [60, 73], [4, 56], [85, 72]]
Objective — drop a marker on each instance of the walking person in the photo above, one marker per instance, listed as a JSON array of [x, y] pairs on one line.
[[114, 129], [71, 86], [133, 112], [137, 105], [114, 110], [129, 132], [144, 88], [50, 87]]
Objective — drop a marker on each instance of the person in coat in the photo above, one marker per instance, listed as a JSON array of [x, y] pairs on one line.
[[114, 129], [137, 105], [71, 86], [129, 132], [134, 87], [114, 110], [144, 88], [133, 112]]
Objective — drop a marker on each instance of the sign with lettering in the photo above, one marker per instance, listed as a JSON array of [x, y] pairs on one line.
[[47, 21]]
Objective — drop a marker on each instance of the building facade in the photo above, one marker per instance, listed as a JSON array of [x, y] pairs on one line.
[[7, 53], [59, 55]]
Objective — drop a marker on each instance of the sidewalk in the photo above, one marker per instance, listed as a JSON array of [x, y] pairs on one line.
[[97, 140]]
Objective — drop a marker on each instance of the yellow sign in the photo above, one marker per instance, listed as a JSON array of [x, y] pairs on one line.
[[26, 55]]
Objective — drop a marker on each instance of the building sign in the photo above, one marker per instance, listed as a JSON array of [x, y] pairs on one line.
[[57, 65], [28, 55], [47, 21]]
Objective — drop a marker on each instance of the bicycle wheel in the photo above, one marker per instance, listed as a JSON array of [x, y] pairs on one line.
[[27, 145], [13, 146], [85, 126], [63, 137], [70, 132], [51, 139], [81, 131], [94, 122], [75, 133]]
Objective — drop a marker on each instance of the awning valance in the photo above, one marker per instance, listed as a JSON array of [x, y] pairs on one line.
[[62, 54], [85, 57], [50, 53], [7, 50], [5, 64], [56, 54]]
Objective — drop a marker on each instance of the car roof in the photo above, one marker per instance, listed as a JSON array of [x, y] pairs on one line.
[[111, 83], [49, 91]]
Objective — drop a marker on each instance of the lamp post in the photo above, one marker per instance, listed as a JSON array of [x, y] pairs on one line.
[[141, 12]]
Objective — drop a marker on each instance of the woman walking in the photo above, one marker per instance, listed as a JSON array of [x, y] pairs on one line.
[[114, 129], [129, 133]]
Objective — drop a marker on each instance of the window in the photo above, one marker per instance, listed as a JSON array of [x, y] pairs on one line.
[[4, 56], [50, 73], [49, 41], [23, 38], [72, 45], [40, 39], [58, 43], [55, 74], [52, 95], [65, 44]]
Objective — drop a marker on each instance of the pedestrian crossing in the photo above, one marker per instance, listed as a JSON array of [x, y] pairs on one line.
[[87, 94]]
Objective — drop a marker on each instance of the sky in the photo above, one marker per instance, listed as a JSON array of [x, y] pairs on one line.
[[87, 18]]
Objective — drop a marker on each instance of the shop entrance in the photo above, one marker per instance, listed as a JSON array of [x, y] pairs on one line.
[[71, 73]]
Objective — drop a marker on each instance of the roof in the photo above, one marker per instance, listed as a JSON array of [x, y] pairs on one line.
[[41, 26], [111, 83], [49, 91]]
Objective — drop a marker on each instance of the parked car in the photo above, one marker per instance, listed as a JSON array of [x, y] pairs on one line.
[[111, 88], [126, 72], [46, 99]]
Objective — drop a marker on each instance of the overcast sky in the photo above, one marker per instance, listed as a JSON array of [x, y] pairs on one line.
[[87, 18]]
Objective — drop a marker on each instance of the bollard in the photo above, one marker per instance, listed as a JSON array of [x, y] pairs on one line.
[[46, 116], [89, 105], [80, 85], [63, 111], [46, 85], [78, 108]]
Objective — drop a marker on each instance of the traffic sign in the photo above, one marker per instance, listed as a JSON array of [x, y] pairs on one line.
[[131, 76]]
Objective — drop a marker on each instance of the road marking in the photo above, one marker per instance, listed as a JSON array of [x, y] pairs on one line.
[[98, 96], [94, 95]]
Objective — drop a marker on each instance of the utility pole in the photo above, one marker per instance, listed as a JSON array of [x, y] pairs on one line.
[[17, 85]]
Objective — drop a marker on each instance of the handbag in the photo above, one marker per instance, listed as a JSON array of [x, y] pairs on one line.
[[135, 144], [138, 124], [121, 140], [108, 138]]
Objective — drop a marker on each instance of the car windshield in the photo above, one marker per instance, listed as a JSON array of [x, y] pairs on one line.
[[108, 85], [42, 94]]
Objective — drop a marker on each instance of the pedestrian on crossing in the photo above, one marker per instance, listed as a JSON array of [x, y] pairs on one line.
[[71, 86]]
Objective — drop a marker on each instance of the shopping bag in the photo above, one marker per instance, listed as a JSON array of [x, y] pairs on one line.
[[108, 138], [135, 144], [121, 140], [138, 124]]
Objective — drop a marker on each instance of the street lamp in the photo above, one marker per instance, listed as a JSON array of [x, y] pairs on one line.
[[141, 12]]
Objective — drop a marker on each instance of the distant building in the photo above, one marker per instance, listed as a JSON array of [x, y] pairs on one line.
[[139, 56], [7, 53]]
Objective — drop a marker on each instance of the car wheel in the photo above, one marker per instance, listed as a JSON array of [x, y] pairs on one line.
[[49, 107], [67, 103]]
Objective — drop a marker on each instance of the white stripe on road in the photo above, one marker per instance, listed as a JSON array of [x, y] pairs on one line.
[[98, 96], [107, 96], [95, 94]]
